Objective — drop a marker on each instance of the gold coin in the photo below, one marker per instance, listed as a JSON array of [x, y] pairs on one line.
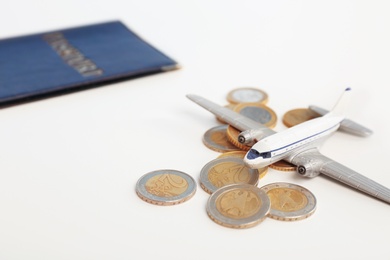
[[239, 154], [238, 206], [284, 166], [216, 139], [297, 116], [289, 201], [257, 112], [224, 171], [166, 187], [247, 94]]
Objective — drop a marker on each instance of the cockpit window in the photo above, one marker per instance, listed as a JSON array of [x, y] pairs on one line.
[[266, 155], [253, 154]]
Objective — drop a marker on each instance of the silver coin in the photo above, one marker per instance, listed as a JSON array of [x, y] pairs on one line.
[[289, 201], [166, 187], [225, 171], [216, 139], [257, 113], [247, 95], [238, 206]]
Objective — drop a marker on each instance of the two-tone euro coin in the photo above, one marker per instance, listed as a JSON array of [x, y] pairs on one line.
[[257, 112], [297, 116], [225, 171], [216, 139], [166, 187], [247, 94], [238, 206], [289, 201], [238, 154]]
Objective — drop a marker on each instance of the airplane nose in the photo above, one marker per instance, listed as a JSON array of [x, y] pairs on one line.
[[250, 163]]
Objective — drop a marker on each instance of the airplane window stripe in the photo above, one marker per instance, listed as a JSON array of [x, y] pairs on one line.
[[304, 138]]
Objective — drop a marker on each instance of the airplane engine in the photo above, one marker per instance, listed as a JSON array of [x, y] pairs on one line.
[[250, 137], [307, 167], [308, 170]]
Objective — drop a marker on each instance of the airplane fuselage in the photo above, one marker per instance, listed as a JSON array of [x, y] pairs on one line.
[[284, 144]]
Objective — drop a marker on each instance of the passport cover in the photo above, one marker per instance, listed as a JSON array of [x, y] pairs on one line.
[[47, 64]]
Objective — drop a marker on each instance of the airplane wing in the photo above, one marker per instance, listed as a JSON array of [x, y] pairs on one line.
[[341, 173], [234, 119]]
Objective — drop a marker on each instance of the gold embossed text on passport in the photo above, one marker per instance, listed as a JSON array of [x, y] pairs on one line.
[[166, 185], [72, 56]]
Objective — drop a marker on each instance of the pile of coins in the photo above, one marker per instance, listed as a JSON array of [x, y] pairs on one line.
[[236, 201]]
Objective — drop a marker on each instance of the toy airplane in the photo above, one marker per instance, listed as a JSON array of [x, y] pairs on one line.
[[299, 145]]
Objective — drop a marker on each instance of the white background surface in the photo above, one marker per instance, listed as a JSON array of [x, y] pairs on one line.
[[69, 165]]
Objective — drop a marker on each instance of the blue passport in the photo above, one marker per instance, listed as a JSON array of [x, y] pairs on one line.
[[47, 64]]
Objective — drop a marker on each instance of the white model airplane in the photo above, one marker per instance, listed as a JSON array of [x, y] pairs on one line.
[[299, 144]]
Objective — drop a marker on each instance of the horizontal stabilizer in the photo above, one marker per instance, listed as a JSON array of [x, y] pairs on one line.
[[347, 125]]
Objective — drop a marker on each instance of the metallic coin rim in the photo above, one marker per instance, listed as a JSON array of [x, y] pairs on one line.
[[294, 215], [251, 221], [157, 200], [291, 168], [230, 96], [213, 145], [204, 173], [234, 154]]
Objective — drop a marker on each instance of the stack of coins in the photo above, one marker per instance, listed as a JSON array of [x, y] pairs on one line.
[[235, 199], [250, 102], [229, 168]]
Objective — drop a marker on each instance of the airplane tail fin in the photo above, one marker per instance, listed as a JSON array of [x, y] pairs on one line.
[[346, 124], [340, 107]]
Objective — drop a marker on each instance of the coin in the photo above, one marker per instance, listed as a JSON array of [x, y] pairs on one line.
[[247, 94], [257, 112], [289, 201], [216, 139], [284, 166], [238, 206], [166, 187], [224, 171], [297, 116], [239, 154]]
